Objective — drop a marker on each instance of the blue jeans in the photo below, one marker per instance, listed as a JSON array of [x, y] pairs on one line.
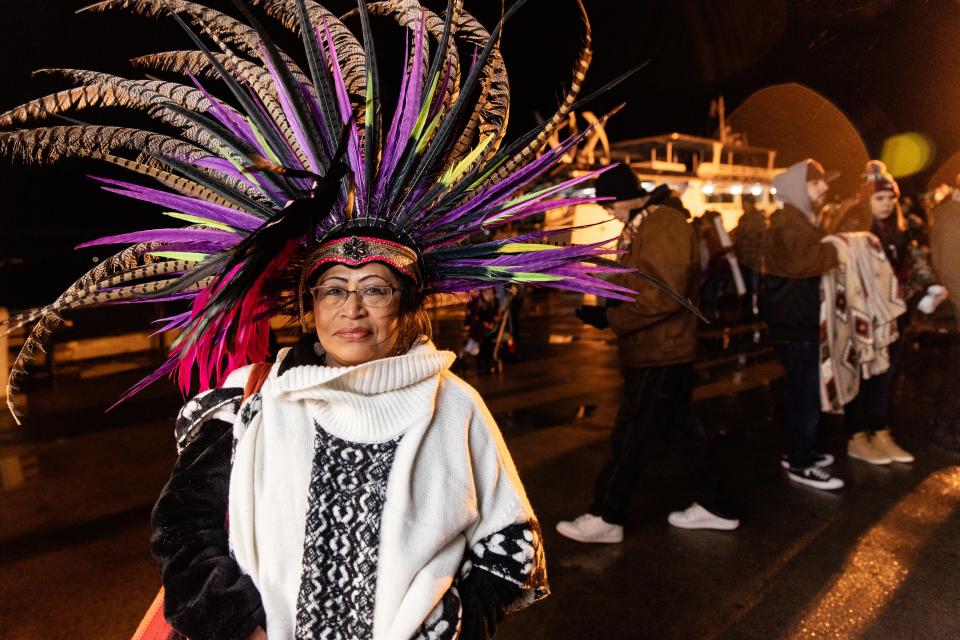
[[801, 402]]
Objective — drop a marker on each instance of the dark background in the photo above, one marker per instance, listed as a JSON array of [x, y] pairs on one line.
[[887, 64]]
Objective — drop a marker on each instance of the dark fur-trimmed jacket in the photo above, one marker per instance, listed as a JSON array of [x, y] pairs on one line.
[[207, 595]]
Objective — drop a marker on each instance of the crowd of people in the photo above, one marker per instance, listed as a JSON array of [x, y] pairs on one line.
[[835, 286], [352, 486]]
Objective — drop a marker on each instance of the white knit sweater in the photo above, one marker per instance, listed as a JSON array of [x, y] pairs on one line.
[[452, 482]]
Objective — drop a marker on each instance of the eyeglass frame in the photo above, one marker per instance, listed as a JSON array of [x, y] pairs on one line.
[[393, 290]]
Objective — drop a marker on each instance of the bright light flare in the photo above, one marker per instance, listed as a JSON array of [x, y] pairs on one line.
[[907, 153]]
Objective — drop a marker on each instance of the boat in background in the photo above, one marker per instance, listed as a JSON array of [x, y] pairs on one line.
[[708, 174]]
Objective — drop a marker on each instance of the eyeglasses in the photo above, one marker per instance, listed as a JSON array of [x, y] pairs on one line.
[[373, 297]]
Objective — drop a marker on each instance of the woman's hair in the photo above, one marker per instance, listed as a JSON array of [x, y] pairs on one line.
[[859, 217], [898, 213], [897, 217], [413, 321]]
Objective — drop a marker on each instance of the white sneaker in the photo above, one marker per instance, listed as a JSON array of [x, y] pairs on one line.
[[815, 477], [819, 460], [591, 528], [696, 517]]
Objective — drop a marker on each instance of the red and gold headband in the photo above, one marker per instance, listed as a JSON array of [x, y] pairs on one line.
[[355, 251]]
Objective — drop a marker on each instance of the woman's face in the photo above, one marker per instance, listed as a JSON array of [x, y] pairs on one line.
[[356, 331], [882, 204]]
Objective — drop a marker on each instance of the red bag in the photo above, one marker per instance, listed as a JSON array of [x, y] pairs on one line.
[[154, 626]]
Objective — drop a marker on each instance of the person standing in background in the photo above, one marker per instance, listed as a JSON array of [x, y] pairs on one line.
[[656, 343], [944, 240], [793, 260], [867, 415]]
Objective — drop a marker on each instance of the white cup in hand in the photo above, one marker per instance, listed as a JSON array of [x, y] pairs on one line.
[[936, 294]]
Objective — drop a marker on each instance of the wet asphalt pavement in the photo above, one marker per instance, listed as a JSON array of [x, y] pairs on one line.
[[879, 559]]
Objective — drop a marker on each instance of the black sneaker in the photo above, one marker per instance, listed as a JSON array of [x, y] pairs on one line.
[[815, 477], [819, 460]]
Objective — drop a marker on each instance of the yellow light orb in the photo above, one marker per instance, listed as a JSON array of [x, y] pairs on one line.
[[907, 153]]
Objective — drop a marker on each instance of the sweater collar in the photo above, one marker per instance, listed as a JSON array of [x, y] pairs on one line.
[[371, 402], [302, 375]]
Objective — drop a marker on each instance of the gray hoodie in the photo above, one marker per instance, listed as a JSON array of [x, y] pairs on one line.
[[791, 186]]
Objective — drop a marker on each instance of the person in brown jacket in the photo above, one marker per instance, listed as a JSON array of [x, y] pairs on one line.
[[944, 245], [793, 261], [657, 343]]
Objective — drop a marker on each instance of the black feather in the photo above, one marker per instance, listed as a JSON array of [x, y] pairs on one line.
[[278, 145], [371, 140], [319, 74], [442, 138], [301, 113], [408, 156], [593, 95]]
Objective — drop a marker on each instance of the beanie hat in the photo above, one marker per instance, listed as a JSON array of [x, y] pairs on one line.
[[877, 178]]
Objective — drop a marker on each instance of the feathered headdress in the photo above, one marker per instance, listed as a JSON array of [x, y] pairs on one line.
[[299, 167]]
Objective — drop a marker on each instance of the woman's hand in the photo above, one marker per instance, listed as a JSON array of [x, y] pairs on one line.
[[258, 634]]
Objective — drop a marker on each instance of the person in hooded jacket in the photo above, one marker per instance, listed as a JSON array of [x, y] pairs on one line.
[[793, 260]]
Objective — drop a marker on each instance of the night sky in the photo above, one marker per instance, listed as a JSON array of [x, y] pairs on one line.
[[889, 65]]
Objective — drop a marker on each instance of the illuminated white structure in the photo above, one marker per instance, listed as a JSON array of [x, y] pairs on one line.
[[709, 175]]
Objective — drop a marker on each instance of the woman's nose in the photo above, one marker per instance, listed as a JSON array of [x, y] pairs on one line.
[[352, 306]]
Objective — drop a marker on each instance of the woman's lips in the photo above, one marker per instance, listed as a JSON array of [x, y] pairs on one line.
[[354, 333]]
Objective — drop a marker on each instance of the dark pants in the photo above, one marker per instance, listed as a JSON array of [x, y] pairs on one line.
[[869, 410], [657, 402], [801, 401]]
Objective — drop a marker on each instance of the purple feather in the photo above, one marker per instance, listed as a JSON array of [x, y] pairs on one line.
[[408, 108], [184, 204], [440, 96], [173, 322], [589, 287], [289, 112], [227, 117], [165, 369], [354, 156], [168, 235], [391, 151], [227, 168], [193, 247], [503, 189]]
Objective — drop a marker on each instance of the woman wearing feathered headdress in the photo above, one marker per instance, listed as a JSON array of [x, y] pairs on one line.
[[355, 488]]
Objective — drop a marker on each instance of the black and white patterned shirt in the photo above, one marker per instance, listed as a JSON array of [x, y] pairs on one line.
[[338, 584]]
